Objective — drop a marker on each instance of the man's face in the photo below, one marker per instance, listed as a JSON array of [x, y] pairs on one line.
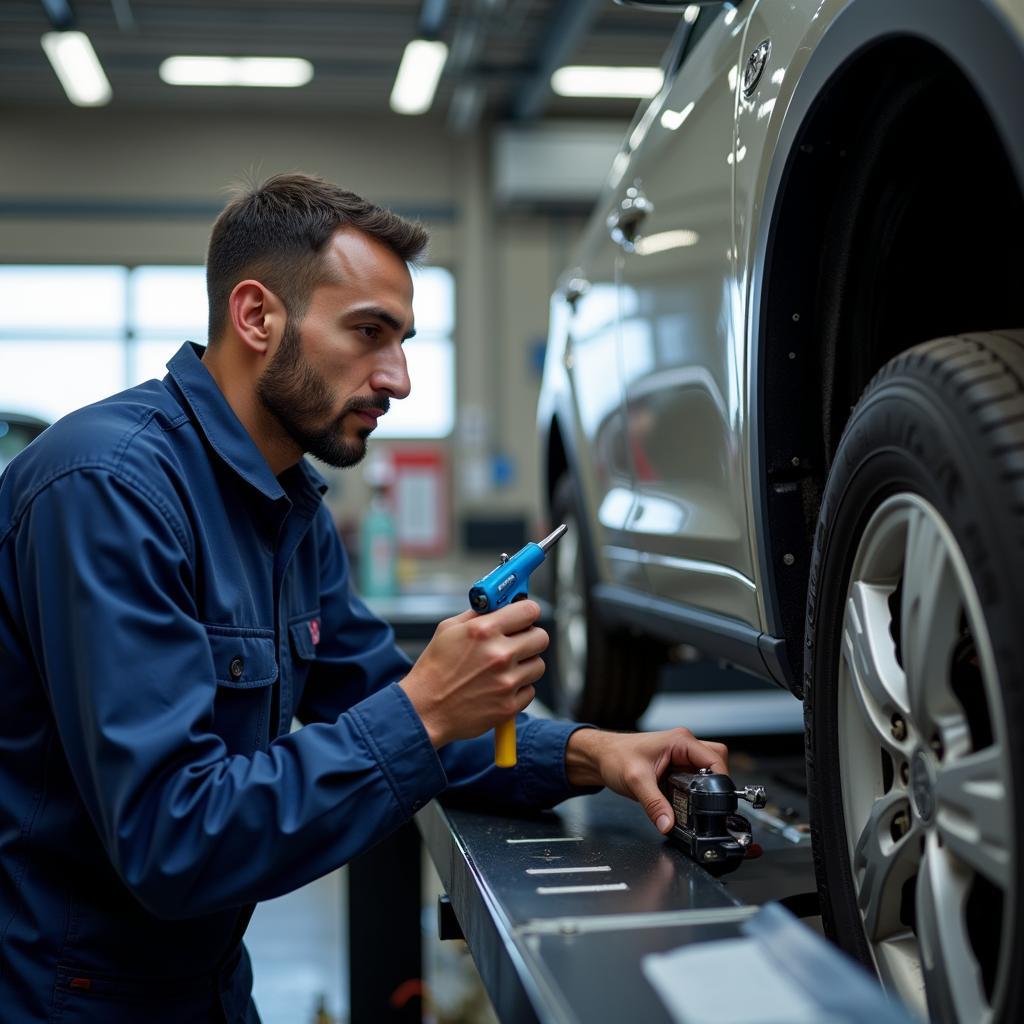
[[337, 370]]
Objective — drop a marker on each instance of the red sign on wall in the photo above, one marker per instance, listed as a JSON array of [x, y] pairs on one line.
[[420, 500]]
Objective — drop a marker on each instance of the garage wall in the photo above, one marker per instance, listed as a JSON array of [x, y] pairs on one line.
[[108, 185], [164, 178]]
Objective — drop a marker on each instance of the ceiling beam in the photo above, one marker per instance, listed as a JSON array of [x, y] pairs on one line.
[[123, 15], [432, 18], [470, 96], [60, 14], [566, 30]]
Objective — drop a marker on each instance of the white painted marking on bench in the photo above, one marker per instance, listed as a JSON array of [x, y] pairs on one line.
[[552, 839], [552, 890], [565, 871]]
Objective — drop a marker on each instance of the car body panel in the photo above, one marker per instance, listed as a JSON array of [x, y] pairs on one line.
[[683, 344], [688, 345], [588, 402]]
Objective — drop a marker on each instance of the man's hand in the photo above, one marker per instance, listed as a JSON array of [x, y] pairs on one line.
[[477, 671], [632, 763]]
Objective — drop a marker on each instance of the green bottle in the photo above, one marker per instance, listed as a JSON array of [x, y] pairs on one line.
[[378, 548]]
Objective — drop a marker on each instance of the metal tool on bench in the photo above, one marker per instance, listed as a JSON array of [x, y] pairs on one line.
[[506, 583], [707, 826]]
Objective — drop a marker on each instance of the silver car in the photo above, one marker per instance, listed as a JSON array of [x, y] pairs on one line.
[[16, 432], [783, 416]]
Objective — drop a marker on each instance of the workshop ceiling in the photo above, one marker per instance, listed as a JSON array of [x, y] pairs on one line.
[[501, 52]]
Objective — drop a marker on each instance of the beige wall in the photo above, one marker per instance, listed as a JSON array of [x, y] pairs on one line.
[[153, 185], [132, 159]]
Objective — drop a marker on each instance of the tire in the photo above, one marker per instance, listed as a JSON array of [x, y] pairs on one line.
[[601, 676], [913, 672]]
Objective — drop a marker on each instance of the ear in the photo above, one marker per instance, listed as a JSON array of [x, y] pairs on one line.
[[257, 315]]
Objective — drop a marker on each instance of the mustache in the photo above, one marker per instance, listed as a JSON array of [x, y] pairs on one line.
[[359, 404]]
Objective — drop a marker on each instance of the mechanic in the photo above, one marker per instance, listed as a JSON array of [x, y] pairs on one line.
[[173, 591]]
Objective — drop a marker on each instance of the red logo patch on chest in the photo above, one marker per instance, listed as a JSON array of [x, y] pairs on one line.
[[314, 631]]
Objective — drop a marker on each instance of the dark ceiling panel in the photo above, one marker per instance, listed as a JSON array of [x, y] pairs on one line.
[[354, 45]]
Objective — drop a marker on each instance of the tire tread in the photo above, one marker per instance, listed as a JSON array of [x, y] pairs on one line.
[[981, 376]]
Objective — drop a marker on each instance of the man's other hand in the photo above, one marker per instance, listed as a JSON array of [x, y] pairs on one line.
[[632, 763], [477, 671]]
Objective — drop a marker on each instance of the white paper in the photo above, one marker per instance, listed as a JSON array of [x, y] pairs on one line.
[[418, 501], [732, 981], [475, 476]]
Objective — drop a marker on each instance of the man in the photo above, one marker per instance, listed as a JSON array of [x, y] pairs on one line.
[[172, 591]]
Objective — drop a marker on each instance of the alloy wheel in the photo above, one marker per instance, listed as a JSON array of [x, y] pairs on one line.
[[924, 764]]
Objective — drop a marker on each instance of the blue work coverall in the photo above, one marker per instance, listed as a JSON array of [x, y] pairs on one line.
[[166, 606]]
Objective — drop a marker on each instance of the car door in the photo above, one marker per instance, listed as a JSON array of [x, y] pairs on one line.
[[682, 333], [593, 360]]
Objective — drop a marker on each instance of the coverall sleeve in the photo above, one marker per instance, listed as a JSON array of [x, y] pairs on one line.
[[357, 655], [106, 584]]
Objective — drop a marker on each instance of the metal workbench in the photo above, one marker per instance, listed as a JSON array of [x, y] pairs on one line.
[[569, 913]]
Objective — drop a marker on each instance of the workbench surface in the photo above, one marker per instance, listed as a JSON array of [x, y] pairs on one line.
[[561, 908]]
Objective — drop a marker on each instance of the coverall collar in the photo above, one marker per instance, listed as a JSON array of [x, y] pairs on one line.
[[223, 429]]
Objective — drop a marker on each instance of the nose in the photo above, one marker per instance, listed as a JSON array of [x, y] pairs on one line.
[[391, 374]]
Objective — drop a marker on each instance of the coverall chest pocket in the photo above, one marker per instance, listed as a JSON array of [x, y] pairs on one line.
[[245, 667], [305, 635]]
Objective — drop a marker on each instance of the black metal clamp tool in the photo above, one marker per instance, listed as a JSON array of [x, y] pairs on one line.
[[707, 826]]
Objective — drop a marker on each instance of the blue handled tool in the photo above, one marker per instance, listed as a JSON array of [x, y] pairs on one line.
[[507, 583]]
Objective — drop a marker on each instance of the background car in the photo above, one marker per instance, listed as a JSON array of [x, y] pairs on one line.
[[16, 431], [783, 416]]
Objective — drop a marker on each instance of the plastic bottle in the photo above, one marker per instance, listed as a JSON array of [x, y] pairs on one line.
[[378, 541]]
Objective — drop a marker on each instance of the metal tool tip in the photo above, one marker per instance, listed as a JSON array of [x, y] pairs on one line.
[[553, 537]]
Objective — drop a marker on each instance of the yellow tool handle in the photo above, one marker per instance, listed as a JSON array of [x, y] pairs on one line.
[[505, 744]]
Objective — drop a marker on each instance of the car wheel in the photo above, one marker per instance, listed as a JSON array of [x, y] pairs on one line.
[[605, 677], [913, 679]]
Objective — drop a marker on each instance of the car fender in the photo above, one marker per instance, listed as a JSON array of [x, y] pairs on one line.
[[557, 415], [983, 38]]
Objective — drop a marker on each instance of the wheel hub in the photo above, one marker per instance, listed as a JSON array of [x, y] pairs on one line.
[[930, 831], [922, 786]]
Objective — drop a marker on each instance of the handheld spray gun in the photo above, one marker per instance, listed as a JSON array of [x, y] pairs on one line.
[[503, 584]]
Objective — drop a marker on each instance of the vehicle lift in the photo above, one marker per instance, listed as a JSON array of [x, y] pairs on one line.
[[584, 914]]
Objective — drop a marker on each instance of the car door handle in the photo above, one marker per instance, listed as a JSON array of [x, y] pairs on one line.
[[576, 289], [627, 217]]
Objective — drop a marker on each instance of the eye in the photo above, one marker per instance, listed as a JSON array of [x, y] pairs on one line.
[[372, 331]]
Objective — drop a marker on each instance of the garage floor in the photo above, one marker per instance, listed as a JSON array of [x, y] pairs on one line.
[[299, 950]]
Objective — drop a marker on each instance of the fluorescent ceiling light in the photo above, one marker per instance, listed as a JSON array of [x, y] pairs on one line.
[[77, 67], [418, 75], [626, 83], [680, 239], [257, 72]]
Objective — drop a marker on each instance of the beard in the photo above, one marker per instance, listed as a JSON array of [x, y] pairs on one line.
[[301, 401]]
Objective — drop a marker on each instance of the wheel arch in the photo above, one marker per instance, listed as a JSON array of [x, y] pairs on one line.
[[556, 462], [864, 101]]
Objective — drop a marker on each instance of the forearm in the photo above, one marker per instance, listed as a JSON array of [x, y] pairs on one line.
[[582, 758], [538, 780]]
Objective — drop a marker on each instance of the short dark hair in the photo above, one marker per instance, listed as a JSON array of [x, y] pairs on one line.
[[276, 232]]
